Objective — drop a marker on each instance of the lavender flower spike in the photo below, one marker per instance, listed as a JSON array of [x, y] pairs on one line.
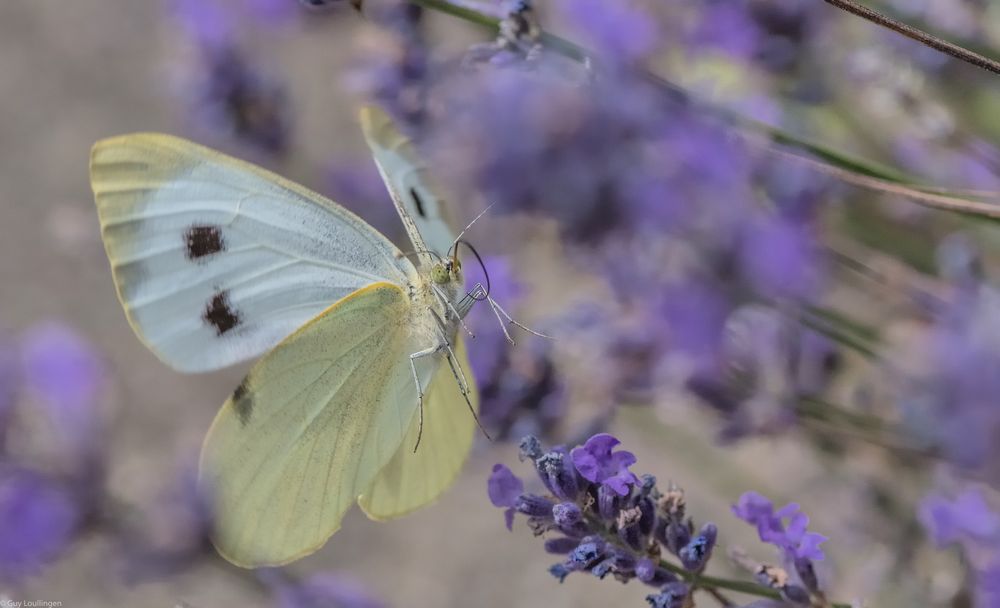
[[596, 462]]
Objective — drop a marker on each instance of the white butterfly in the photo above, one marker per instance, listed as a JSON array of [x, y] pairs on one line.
[[217, 261]]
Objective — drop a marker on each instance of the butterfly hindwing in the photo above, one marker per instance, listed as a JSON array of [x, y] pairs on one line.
[[415, 479], [215, 260], [308, 430]]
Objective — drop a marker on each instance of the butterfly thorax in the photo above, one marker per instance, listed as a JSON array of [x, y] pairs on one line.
[[437, 296]]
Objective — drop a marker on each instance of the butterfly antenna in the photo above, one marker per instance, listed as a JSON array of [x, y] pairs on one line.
[[486, 273], [466, 229]]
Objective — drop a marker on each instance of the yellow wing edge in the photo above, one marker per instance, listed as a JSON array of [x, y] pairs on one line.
[[98, 148]]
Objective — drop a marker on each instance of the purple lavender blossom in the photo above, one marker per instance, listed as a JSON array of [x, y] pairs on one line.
[[172, 535], [317, 591], [795, 541], [968, 516], [727, 27], [600, 25], [950, 407], [780, 258], [63, 369], [39, 518], [596, 528], [488, 351], [597, 463], [392, 68], [355, 183], [504, 488], [672, 595], [232, 96], [67, 376], [970, 520], [43, 504]]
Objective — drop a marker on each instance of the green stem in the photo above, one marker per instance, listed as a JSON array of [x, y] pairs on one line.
[[459, 11], [863, 427], [697, 579], [713, 582], [840, 336], [838, 319]]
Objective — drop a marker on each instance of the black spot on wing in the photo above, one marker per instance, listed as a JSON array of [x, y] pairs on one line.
[[201, 241], [243, 403], [220, 314], [418, 202]]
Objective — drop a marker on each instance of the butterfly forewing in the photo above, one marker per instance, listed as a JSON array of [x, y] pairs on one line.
[[424, 214], [215, 260]]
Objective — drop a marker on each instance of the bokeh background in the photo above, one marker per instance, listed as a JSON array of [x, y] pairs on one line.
[[72, 73]]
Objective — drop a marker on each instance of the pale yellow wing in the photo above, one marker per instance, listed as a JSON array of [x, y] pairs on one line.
[[310, 427], [413, 480]]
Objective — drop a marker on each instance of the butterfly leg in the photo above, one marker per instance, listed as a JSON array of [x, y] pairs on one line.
[[497, 308], [479, 293], [451, 308], [463, 386], [427, 352]]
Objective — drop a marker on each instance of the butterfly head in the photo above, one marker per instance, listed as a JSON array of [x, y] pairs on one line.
[[448, 270]]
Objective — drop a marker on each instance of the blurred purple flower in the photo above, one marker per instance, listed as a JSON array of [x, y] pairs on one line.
[[967, 516], [243, 103], [67, 375], [727, 27], [504, 488], [231, 96], [62, 368], [694, 313], [781, 258], [951, 405], [356, 184], [793, 539], [488, 351], [520, 389], [597, 463], [602, 26], [537, 141], [970, 520], [672, 595], [38, 520], [206, 21], [392, 66], [988, 584], [172, 535], [273, 12], [322, 590]]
